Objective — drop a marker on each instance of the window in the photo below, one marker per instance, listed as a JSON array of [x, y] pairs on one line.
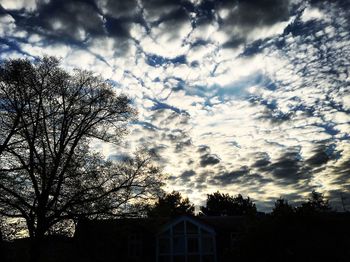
[[179, 244], [207, 244], [233, 238], [186, 241], [134, 245], [193, 244]]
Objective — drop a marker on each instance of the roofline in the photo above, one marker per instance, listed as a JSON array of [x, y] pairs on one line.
[[190, 218]]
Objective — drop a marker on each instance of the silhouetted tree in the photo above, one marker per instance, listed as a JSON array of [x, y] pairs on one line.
[[48, 173], [282, 208], [170, 205], [315, 204], [219, 204]]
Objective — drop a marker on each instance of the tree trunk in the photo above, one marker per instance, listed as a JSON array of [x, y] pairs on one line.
[[36, 244]]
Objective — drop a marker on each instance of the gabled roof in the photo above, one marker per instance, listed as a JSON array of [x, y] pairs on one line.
[[191, 219]]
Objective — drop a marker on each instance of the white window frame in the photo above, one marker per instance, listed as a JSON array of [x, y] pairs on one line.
[[199, 235]]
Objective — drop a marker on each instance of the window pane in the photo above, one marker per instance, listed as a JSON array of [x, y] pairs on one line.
[[164, 245], [179, 228], [193, 258], [179, 258], [207, 245], [191, 228], [134, 245], [193, 245], [179, 244]]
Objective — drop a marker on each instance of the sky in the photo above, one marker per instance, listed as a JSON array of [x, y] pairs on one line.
[[240, 96]]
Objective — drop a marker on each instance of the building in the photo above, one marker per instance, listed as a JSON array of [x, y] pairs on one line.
[[181, 239]]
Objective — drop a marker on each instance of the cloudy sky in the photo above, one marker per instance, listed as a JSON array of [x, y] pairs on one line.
[[241, 96]]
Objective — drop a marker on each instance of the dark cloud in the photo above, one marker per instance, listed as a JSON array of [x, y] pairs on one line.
[[271, 111], [243, 15], [159, 105], [175, 10], [289, 168], [147, 125], [206, 157], [182, 145], [176, 17], [262, 160], [204, 179], [70, 21], [261, 12], [255, 180], [341, 172], [156, 60], [186, 175], [261, 163], [227, 178], [76, 21], [117, 27], [209, 160], [320, 156]]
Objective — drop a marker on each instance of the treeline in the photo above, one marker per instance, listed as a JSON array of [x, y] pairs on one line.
[[310, 231], [221, 204]]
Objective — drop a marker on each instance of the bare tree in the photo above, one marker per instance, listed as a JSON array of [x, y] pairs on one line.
[[48, 172]]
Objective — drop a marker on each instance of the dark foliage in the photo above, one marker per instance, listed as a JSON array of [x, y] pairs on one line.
[[219, 204], [170, 205], [315, 204], [282, 208]]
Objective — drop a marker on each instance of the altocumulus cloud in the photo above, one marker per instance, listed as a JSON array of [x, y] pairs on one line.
[[244, 96]]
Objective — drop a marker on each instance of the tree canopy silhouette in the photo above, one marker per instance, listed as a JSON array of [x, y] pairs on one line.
[[282, 208], [219, 204], [170, 205], [315, 204], [48, 172]]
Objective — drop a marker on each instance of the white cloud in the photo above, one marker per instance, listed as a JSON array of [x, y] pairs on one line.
[[269, 31], [7, 25], [312, 13], [29, 5], [346, 101]]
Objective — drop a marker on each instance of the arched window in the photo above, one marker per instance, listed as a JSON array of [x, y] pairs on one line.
[[186, 240]]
